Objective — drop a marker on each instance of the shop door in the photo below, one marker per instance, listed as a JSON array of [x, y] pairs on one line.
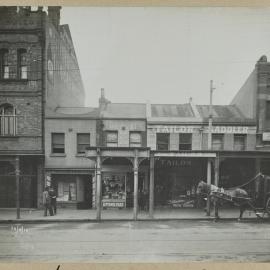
[[87, 191], [7, 191]]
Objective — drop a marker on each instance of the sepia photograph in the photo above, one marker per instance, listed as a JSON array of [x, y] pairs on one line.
[[134, 134]]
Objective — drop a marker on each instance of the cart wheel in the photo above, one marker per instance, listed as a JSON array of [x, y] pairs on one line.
[[260, 214], [267, 207]]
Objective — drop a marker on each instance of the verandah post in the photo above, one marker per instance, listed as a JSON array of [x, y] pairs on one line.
[[98, 179], [135, 201], [17, 174], [151, 186]]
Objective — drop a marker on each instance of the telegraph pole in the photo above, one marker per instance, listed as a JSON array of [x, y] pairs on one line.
[[210, 122]]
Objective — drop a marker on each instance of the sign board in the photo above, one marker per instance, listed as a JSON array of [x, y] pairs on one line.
[[193, 129], [184, 154], [113, 204], [266, 136]]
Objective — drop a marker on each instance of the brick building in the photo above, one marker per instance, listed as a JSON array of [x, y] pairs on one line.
[[253, 100], [36, 56]]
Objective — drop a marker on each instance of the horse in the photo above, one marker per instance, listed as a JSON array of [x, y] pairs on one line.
[[237, 196]]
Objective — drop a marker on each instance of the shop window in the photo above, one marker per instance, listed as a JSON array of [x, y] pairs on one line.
[[83, 141], [163, 141], [217, 141], [4, 66], [112, 138], [22, 64], [58, 143], [66, 191], [239, 142], [135, 139], [267, 110], [185, 141], [8, 120], [113, 190]]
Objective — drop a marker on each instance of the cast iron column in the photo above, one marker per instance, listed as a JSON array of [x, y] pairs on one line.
[[98, 186], [151, 186], [135, 202], [209, 183], [217, 162], [17, 173]]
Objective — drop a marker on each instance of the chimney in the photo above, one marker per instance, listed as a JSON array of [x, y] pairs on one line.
[[102, 100], [54, 15], [102, 94], [148, 109]]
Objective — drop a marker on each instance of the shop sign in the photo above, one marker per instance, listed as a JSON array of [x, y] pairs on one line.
[[184, 154], [173, 129], [113, 204], [192, 129], [174, 163], [266, 136], [230, 129]]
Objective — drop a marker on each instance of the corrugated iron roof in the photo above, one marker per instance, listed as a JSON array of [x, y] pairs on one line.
[[223, 113], [124, 110], [172, 110]]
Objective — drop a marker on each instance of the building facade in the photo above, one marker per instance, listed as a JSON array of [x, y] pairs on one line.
[[118, 155], [68, 131], [35, 57]]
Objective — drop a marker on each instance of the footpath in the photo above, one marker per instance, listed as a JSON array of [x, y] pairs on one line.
[[74, 215]]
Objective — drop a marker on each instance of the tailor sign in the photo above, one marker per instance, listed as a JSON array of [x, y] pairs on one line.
[[193, 129]]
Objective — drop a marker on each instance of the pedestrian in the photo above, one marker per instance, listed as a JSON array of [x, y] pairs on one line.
[[47, 202], [52, 195]]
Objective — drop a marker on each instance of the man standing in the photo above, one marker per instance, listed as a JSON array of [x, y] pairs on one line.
[[47, 202], [52, 195]]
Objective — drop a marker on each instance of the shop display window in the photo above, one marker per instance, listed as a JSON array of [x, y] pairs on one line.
[[66, 191], [114, 190]]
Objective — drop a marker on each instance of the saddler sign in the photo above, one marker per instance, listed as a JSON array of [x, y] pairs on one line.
[[193, 129]]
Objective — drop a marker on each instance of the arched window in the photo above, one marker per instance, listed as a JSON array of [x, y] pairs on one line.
[[8, 121], [4, 66], [22, 64]]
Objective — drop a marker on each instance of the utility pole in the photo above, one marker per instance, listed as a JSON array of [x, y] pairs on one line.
[[210, 122]]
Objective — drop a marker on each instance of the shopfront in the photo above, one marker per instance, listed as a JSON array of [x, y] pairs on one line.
[[28, 181], [120, 178], [72, 190], [176, 180], [118, 189]]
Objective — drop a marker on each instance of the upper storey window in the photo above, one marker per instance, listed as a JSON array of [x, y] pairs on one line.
[[217, 141], [163, 141], [8, 121], [112, 138], [135, 139], [185, 141], [4, 67], [22, 64]]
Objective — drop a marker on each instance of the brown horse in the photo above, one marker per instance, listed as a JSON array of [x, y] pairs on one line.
[[236, 196]]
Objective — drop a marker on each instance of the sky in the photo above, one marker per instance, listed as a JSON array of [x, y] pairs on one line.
[[166, 55]]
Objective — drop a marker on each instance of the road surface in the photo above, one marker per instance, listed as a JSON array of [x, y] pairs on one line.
[[159, 241]]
